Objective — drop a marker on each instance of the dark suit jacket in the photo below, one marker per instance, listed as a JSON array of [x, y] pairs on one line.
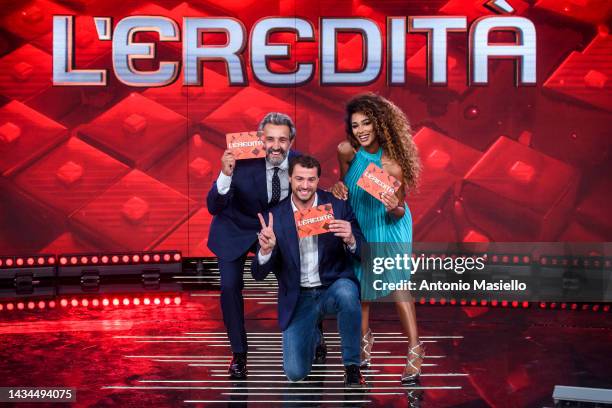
[[335, 259], [235, 224]]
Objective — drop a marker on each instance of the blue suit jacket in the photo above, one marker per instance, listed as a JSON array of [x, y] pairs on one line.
[[235, 224], [335, 259]]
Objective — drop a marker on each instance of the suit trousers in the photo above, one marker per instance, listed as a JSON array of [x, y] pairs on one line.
[[232, 302]]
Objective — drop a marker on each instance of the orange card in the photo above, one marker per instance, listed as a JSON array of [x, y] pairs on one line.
[[245, 145], [375, 181], [313, 221]]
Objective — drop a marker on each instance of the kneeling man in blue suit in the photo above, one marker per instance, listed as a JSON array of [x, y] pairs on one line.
[[315, 274]]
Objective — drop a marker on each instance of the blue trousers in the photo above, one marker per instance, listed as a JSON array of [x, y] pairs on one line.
[[301, 337]]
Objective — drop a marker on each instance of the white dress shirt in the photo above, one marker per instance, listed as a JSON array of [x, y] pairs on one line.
[[309, 255], [224, 182]]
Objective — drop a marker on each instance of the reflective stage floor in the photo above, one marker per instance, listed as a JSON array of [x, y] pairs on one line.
[[177, 354]]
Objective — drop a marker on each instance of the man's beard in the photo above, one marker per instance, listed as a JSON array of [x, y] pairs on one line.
[[275, 161]]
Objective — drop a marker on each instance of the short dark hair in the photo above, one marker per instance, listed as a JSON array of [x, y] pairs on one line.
[[308, 162]]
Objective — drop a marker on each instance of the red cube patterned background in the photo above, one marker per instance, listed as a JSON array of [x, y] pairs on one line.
[[128, 168]]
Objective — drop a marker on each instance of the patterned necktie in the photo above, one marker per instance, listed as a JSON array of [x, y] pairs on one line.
[[276, 189]]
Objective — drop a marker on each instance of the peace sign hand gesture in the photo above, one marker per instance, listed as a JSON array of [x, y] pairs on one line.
[[267, 239]]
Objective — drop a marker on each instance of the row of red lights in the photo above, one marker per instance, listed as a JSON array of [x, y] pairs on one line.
[[85, 302], [28, 261], [544, 260], [493, 258], [119, 259], [597, 263], [46, 260], [515, 304]]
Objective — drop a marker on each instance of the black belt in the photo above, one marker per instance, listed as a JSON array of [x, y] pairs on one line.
[[312, 287]]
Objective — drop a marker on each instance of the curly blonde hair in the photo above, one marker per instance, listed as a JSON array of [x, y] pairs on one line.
[[392, 130]]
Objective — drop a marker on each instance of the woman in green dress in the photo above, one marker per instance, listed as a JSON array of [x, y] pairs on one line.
[[378, 132]]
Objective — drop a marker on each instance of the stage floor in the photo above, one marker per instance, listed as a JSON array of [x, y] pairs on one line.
[[177, 355]]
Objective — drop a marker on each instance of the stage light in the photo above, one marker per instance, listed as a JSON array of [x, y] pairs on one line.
[[432, 301], [585, 307], [177, 257], [514, 303], [453, 301], [74, 302], [8, 262], [156, 301], [41, 305], [9, 306], [31, 305], [126, 302], [20, 306], [64, 302], [95, 303], [40, 260], [51, 260], [494, 303], [105, 302], [167, 301], [115, 302], [51, 304], [574, 306], [504, 303], [463, 302], [136, 301], [147, 301], [85, 302], [19, 261], [483, 302], [443, 301], [73, 260], [473, 302], [96, 270], [595, 308], [542, 305], [177, 300], [63, 260], [1, 307], [30, 261]]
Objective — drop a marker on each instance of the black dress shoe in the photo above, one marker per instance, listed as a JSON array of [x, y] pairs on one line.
[[237, 369], [353, 377], [320, 353]]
